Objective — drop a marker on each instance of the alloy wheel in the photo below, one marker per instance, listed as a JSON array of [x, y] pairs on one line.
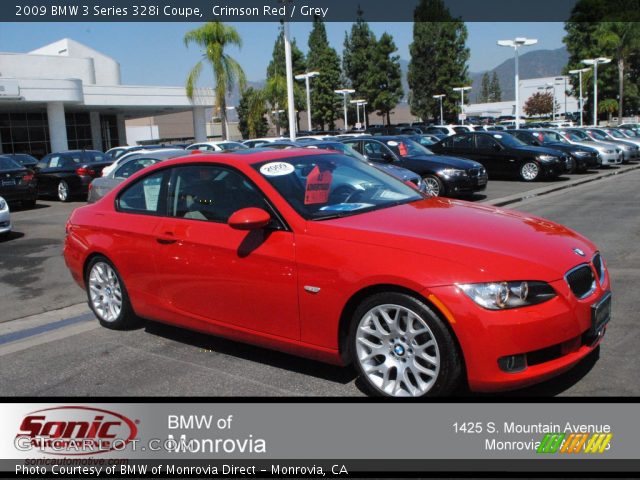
[[530, 171], [432, 186], [397, 351], [105, 292], [63, 191]]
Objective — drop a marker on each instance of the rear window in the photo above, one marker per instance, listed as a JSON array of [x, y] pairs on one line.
[[8, 164]]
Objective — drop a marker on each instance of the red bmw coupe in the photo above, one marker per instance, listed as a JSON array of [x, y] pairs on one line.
[[319, 255]]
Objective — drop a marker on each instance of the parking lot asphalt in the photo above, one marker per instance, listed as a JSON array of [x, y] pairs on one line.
[[65, 352]]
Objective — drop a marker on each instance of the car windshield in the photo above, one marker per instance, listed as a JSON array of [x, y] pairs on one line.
[[407, 148], [550, 137], [342, 148], [7, 163], [577, 135], [509, 140], [320, 187], [615, 133], [230, 146]]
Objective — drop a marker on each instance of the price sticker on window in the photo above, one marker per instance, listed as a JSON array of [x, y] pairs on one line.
[[318, 186]]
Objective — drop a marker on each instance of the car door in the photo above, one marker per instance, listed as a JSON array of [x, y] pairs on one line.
[[490, 153], [213, 273]]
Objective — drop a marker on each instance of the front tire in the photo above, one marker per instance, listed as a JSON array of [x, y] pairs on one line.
[[107, 295], [402, 348], [434, 185], [64, 194], [530, 171]]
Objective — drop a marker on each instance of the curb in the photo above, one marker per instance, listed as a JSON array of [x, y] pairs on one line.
[[518, 197]]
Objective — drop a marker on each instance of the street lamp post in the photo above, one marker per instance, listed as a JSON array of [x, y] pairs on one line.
[[579, 72], [515, 44], [364, 112], [344, 92], [289, 69], [461, 90], [358, 103], [226, 122], [306, 76], [595, 62], [440, 96]]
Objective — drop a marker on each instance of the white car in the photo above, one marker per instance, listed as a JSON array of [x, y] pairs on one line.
[[223, 146], [123, 158], [258, 142], [5, 217]]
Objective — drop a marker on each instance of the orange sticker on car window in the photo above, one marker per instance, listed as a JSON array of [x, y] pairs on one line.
[[318, 186], [403, 149]]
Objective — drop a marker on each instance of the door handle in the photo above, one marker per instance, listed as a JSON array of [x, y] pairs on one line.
[[166, 239]]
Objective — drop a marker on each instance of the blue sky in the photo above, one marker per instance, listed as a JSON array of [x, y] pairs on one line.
[[154, 54]]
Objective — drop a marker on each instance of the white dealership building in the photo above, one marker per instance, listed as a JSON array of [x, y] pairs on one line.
[[68, 96]]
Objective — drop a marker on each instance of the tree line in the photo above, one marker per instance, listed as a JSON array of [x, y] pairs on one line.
[[439, 62]]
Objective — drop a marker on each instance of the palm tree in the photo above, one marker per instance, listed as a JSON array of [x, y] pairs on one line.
[[214, 37]]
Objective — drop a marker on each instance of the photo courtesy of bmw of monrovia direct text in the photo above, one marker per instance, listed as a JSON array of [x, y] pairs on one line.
[[301, 238]]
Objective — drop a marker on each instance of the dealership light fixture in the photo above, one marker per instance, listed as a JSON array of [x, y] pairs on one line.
[[580, 71], [461, 90], [306, 76], [516, 43], [595, 62], [345, 92], [440, 96]]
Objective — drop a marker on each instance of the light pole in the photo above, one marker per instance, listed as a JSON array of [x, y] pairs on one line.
[[344, 92], [226, 122], [364, 112], [306, 76], [358, 102], [579, 72], [595, 62], [515, 44], [289, 68], [440, 96], [461, 90]]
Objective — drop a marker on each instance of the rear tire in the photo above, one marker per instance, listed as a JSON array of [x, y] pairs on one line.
[[402, 348], [64, 194], [107, 295]]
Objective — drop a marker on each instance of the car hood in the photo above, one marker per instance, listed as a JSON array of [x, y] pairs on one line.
[[480, 243], [539, 150], [446, 161], [571, 147]]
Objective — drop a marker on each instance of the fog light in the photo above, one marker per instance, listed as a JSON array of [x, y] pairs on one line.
[[513, 363]]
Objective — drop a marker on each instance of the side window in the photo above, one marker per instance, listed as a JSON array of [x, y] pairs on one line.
[[97, 157], [357, 146], [129, 168], [373, 149], [142, 196], [462, 141], [485, 142], [210, 193], [44, 163], [54, 162]]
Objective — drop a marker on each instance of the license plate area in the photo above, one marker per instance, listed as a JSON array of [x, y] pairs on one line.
[[601, 314]]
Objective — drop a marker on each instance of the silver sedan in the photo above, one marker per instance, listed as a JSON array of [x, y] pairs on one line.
[[101, 186]]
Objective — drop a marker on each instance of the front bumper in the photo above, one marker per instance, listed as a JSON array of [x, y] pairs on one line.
[[610, 158], [465, 185], [5, 221], [552, 336]]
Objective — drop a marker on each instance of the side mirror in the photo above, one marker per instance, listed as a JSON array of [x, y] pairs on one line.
[[249, 219]]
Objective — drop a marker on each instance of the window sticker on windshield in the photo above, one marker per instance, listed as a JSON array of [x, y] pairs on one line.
[[403, 149], [497, 136], [392, 143], [318, 186], [276, 169]]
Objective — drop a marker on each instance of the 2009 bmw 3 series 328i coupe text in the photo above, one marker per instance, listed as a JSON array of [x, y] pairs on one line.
[[319, 255]]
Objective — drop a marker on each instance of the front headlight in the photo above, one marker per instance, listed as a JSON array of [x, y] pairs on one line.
[[546, 158], [3, 204], [453, 172], [580, 153], [503, 295]]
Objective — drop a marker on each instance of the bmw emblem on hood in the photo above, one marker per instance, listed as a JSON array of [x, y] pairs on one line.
[[577, 251]]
